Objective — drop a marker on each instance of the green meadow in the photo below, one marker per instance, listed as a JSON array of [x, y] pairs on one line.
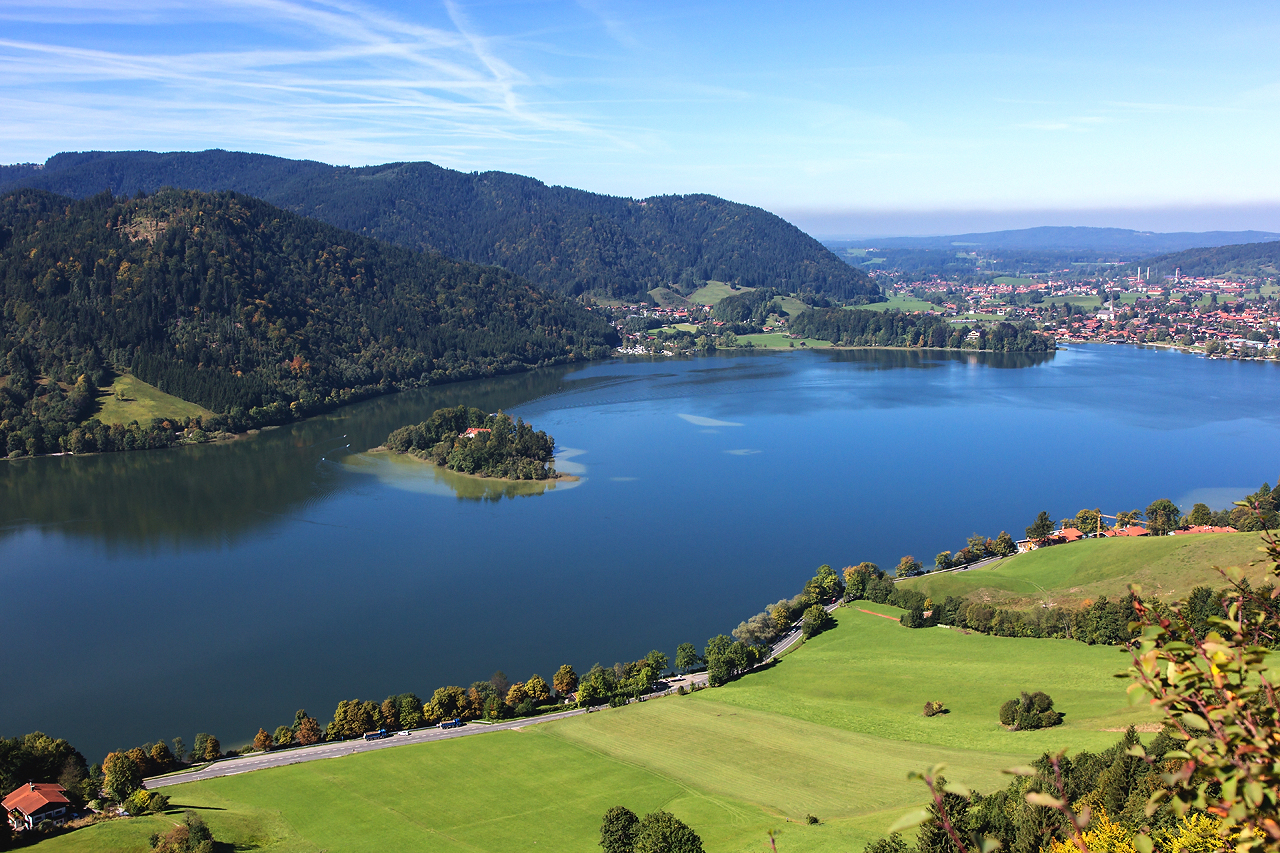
[[1164, 566], [713, 291], [142, 402], [778, 340], [831, 730], [899, 303]]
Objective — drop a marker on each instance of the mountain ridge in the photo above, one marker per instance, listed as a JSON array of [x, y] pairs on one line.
[[564, 239], [227, 301]]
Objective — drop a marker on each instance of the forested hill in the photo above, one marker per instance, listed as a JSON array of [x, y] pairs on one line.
[[560, 238], [229, 302], [1260, 260]]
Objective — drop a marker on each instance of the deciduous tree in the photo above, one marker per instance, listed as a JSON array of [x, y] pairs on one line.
[[618, 830], [663, 832], [565, 680], [121, 776], [308, 730], [687, 657], [262, 741], [536, 689]]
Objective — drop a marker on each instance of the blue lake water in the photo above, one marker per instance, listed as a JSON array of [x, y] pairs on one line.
[[220, 588]]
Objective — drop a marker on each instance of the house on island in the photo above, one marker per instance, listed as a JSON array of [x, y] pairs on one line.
[[36, 802], [474, 431]]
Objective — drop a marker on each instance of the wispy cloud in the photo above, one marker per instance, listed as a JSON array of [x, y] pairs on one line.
[[308, 73]]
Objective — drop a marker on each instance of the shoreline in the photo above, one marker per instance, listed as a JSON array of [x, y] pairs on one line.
[[559, 477]]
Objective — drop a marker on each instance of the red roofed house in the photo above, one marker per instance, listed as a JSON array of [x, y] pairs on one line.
[[35, 802], [1204, 529], [474, 431]]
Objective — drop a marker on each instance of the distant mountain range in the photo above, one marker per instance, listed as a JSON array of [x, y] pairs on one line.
[[566, 240], [1121, 241]]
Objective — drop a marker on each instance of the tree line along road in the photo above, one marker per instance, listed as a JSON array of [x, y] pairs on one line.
[[319, 751]]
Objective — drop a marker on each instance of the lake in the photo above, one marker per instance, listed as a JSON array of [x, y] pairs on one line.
[[220, 588]]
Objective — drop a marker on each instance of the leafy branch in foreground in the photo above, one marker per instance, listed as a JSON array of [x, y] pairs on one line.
[[1219, 696]]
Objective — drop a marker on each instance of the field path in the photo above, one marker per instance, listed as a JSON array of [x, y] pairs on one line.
[[881, 615]]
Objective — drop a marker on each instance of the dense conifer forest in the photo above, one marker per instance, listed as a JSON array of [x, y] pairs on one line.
[[559, 238], [246, 309], [862, 328]]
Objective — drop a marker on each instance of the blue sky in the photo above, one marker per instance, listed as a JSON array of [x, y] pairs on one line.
[[848, 118]]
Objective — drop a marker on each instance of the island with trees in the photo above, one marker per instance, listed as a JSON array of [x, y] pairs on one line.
[[468, 441]]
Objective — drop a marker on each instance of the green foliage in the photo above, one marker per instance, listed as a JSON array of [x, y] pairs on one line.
[[663, 832], [618, 830], [1215, 689], [245, 309], [36, 757], [558, 238], [142, 802], [191, 836], [687, 657], [565, 680], [865, 328], [1030, 712], [1162, 516], [816, 620], [501, 448], [121, 776], [205, 747], [908, 567], [1041, 528]]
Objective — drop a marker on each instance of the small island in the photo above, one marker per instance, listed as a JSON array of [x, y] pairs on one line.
[[468, 441]]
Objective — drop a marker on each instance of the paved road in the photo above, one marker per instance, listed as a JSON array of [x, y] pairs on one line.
[[262, 760]]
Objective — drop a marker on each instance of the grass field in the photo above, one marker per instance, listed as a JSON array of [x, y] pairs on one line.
[[667, 298], [1165, 566], [713, 291], [831, 730], [791, 305], [1011, 281], [900, 303], [142, 403], [777, 340]]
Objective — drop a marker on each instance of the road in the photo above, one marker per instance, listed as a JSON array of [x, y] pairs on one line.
[[320, 751], [263, 760]]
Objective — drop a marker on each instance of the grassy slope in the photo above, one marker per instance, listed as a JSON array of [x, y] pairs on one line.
[[778, 340], [143, 403], [832, 730], [713, 291], [900, 303], [1166, 566]]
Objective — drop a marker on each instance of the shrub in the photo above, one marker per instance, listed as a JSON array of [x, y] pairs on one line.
[[1031, 711], [933, 709], [142, 802], [810, 819]]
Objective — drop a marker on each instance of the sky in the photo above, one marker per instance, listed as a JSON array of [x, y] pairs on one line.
[[848, 118]]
